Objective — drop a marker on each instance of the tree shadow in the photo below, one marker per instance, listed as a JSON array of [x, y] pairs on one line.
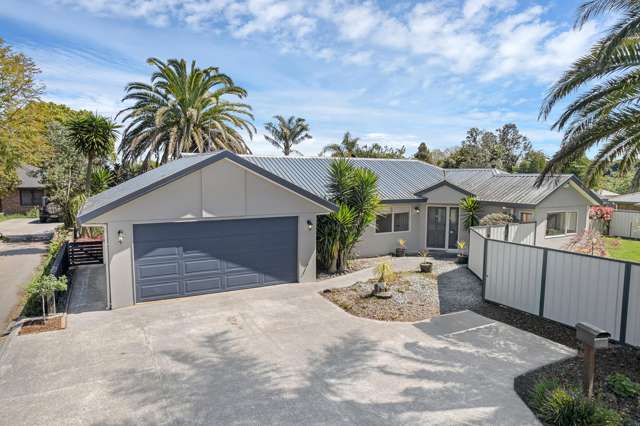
[[20, 251]]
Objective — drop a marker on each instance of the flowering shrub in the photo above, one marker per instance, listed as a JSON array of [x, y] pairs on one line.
[[588, 242], [601, 213]]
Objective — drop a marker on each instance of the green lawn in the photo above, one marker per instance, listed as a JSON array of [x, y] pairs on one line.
[[4, 217], [623, 249]]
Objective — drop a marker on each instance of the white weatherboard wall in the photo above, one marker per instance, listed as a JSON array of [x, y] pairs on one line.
[[625, 223], [633, 314], [223, 190], [513, 275]]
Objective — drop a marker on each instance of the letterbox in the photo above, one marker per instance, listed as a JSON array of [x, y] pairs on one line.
[[592, 336]]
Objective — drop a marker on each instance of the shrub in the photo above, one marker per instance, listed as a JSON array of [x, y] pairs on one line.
[[623, 386], [560, 407], [385, 272], [470, 206], [45, 288], [588, 242], [496, 219]]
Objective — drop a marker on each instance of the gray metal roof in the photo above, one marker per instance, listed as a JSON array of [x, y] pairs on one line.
[[398, 180], [631, 198], [27, 177]]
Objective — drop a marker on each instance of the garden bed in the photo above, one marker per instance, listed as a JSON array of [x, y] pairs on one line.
[[33, 326], [354, 265], [568, 373]]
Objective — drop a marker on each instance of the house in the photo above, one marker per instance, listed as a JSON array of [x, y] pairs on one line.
[[629, 201], [27, 195], [605, 195], [220, 221]]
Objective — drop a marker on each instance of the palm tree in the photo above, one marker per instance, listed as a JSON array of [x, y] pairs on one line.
[[95, 137], [607, 111], [184, 109], [347, 148], [287, 132]]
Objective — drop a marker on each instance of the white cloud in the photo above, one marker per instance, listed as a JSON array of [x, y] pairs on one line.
[[358, 58]]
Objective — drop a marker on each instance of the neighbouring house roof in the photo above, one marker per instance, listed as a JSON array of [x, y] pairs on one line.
[[631, 198], [399, 180], [27, 178]]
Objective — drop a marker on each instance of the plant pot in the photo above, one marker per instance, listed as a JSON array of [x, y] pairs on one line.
[[463, 260], [426, 267], [400, 251]]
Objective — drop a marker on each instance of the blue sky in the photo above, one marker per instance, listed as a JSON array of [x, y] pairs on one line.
[[391, 72]]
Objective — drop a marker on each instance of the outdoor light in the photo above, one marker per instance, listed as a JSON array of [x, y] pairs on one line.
[[417, 209], [120, 236], [309, 225]]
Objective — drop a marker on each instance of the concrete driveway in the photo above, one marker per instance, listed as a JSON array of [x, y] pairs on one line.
[[27, 229], [276, 355]]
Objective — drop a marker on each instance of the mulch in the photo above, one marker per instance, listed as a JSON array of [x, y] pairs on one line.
[[38, 326], [617, 359]]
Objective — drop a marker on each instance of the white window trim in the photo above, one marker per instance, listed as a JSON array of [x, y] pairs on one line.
[[392, 211], [446, 237], [565, 234]]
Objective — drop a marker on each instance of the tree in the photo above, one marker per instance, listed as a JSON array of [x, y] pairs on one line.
[[347, 148], [95, 137], [45, 288], [18, 87], [62, 173], [287, 133], [423, 154], [355, 191], [606, 111], [532, 162], [470, 206], [184, 109], [378, 151]]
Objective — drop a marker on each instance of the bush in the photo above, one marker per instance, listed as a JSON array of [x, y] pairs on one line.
[[560, 407], [385, 272], [623, 386], [496, 219]]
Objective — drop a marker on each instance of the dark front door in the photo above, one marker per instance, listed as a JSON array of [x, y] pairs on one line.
[[182, 259], [436, 227], [453, 227]]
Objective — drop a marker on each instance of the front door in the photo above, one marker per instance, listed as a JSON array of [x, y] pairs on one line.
[[453, 227], [436, 227]]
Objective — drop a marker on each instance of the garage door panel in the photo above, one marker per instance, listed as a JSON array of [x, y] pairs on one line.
[[179, 259], [204, 285]]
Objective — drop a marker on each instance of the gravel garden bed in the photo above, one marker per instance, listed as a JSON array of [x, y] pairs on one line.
[[355, 265], [568, 373]]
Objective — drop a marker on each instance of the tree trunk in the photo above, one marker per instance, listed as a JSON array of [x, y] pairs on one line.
[[333, 267], [55, 309], [44, 311], [87, 178]]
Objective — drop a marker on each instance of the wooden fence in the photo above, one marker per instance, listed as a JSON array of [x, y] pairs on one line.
[[625, 223], [562, 286], [86, 253]]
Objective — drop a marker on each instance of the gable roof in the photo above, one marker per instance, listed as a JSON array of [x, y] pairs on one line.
[[440, 184], [167, 173], [399, 180], [27, 177]]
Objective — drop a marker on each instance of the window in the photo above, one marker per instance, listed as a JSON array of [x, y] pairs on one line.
[[562, 223], [526, 217], [383, 222], [30, 197], [400, 222]]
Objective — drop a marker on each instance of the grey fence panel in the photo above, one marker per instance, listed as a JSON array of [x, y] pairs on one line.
[[584, 289], [633, 314], [522, 233], [514, 275], [498, 232], [476, 252], [625, 223]]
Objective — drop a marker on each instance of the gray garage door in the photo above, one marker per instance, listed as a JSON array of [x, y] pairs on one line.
[[182, 259]]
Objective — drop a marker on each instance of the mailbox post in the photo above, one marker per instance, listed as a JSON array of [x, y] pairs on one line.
[[592, 338]]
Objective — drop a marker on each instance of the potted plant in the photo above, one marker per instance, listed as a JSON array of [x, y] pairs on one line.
[[425, 266], [400, 251], [463, 258], [385, 275]]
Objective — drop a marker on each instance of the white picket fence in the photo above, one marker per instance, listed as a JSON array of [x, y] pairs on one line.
[[562, 286], [625, 223]]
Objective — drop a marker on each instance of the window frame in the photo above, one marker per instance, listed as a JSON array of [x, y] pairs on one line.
[[393, 211], [31, 192], [375, 223], [566, 223], [529, 212]]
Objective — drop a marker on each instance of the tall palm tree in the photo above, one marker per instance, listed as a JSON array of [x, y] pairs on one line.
[[95, 137], [184, 109], [347, 148], [286, 133], [607, 111]]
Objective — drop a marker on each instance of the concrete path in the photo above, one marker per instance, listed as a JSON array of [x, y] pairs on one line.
[[18, 262], [27, 229], [275, 355]]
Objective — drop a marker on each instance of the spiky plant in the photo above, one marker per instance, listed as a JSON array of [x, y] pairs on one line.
[[607, 111]]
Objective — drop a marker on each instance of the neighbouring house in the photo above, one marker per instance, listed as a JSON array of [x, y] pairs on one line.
[[606, 195], [629, 201], [27, 195], [220, 221]]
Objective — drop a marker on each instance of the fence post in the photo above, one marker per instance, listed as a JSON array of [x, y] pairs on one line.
[[506, 232], [543, 282], [484, 267], [625, 302], [535, 231]]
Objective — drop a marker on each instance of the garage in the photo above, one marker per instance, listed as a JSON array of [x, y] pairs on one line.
[[188, 258]]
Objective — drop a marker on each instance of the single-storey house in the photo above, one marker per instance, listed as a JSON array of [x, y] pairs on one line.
[[629, 201], [220, 221], [27, 195]]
